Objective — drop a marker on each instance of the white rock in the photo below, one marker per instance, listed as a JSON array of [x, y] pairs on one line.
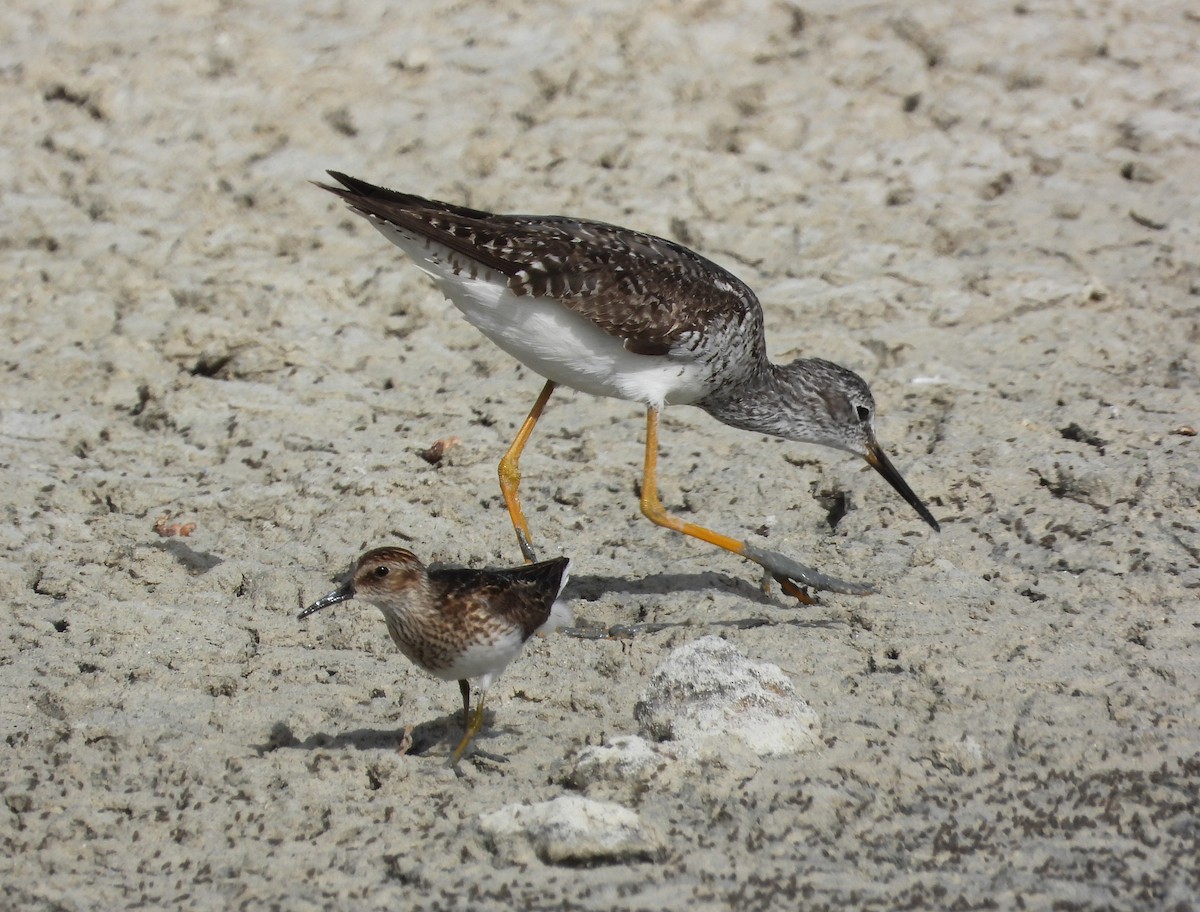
[[708, 692], [625, 758], [571, 830]]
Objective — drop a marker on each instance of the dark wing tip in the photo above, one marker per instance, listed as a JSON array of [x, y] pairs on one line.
[[350, 186], [384, 203], [547, 574]]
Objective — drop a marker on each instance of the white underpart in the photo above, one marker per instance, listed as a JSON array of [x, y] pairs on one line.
[[561, 614], [484, 663], [550, 339]]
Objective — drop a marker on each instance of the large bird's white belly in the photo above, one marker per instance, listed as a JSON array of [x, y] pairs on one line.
[[571, 350], [549, 338]]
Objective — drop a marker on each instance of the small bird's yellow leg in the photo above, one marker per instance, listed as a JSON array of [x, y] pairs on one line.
[[510, 474], [473, 728]]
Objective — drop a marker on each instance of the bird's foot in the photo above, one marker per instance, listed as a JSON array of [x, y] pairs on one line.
[[406, 741], [793, 576]]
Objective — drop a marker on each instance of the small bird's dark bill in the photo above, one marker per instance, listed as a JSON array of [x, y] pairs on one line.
[[880, 463], [343, 594]]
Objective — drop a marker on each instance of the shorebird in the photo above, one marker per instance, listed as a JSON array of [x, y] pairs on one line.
[[616, 312], [457, 624]]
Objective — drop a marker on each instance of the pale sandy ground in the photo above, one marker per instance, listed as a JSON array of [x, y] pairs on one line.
[[991, 214]]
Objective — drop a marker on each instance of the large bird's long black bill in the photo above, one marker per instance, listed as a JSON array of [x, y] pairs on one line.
[[343, 594], [880, 463]]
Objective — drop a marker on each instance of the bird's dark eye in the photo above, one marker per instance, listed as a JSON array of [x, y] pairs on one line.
[[381, 572], [864, 414]]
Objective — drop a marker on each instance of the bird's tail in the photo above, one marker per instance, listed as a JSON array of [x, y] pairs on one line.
[[560, 612]]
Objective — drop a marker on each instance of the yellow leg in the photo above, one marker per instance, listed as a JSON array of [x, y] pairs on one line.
[[473, 727], [790, 575], [510, 474]]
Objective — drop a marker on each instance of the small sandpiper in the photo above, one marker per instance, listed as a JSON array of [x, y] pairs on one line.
[[458, 624], [615, 312]]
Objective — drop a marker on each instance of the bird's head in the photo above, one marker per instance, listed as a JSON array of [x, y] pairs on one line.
[[833, 406]]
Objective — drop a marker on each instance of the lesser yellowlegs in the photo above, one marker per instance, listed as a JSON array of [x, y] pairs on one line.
[[616, 312]]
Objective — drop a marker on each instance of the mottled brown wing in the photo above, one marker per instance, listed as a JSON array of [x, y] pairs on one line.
[[649, 292], [522, 595]]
